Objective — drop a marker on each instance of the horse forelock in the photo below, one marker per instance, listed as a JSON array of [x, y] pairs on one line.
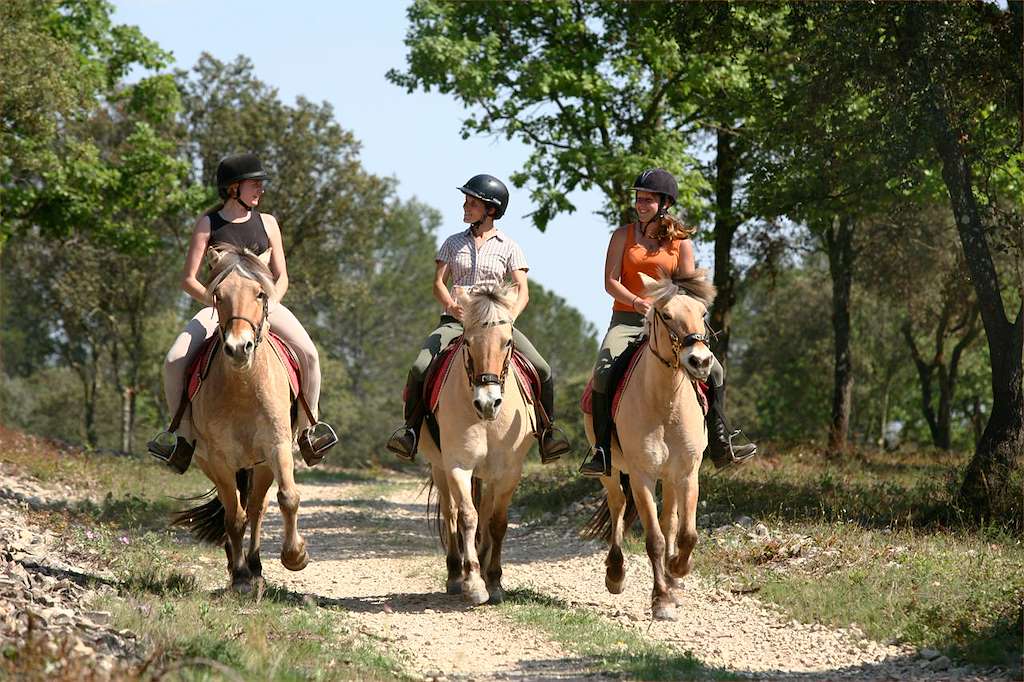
[[488, 303], [245, 263], [696, 284]]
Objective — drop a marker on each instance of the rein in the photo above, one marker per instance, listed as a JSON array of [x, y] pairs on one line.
[[678, 344], [488, 378]]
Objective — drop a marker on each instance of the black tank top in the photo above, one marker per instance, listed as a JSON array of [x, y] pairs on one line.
[[250, 235]]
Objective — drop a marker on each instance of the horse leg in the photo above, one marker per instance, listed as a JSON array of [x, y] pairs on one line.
[[450, 518], [615, 572], [669, 523], [687, 538], [662, 605], [486, 538], [256, 508], [293, 548], [497, 525], [234, 527], [460, 484]]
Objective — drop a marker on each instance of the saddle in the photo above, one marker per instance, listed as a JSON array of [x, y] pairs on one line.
[[622, 372], [524, 371], [200, 368]]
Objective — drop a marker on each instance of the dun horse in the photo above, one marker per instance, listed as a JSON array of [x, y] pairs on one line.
[[242, 420], [661, 436], [486, 429]]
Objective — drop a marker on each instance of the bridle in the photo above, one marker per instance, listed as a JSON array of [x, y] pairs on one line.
[[257, 331], [678, 344], [487, 378]]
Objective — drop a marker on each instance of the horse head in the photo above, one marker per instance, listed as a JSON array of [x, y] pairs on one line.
[[487, 321], [241, 285], [676, 321]]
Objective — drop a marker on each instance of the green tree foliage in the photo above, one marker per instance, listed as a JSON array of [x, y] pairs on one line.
[[595, 88]]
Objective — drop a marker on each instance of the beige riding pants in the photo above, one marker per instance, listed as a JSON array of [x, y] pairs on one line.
[[204, 325]]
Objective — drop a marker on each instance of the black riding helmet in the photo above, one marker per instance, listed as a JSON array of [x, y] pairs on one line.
[[489, 190], [659, 181], [236, 168]]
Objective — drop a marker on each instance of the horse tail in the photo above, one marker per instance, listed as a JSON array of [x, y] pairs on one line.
[[206, 521], [600, 523]]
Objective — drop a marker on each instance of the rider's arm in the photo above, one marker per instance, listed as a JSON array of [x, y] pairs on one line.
[[523, 284], [277, 262], [687, 264], [190, 283], [441, 291], [613, 271]]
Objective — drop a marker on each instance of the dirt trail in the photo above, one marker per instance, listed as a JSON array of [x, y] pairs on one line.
[[372, 552]]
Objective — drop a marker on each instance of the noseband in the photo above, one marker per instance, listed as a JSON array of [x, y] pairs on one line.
[[257, 331], [678, 344], [487, 378]]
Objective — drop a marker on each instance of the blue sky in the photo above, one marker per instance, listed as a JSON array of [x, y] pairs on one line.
[[339, 52]]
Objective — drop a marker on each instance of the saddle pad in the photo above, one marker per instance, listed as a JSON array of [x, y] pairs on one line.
[[586, 403], [528, 377], [437, 373], [200, 367]]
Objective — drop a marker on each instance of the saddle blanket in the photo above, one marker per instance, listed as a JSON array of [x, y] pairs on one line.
[[200, 367]]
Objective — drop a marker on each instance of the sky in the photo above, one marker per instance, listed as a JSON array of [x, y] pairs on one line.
[[339, 52]]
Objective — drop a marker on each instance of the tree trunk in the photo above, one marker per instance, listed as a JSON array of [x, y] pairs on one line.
[[127, 418], [726, 224], [839, 241]]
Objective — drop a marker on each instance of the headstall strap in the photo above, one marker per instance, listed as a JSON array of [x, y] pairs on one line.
[[488, 378], [258, 331], [678, 344]]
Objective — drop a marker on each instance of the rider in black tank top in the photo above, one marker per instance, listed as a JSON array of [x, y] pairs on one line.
[[249, 234]]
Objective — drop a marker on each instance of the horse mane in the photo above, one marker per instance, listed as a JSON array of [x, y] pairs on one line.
[[695, 284], [247, 263], [489, 303]]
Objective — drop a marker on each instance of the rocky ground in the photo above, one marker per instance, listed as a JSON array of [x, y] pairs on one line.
[[374, 555]]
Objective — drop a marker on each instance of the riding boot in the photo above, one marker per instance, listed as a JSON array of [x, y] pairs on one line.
[[174, 451], [404, 440], [600, 462], [551, 442], [720, 448]]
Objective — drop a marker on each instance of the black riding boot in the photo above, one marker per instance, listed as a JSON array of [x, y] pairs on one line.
[[403, 441], [172, 450], [551, 442], [600, 462], [721, 450]]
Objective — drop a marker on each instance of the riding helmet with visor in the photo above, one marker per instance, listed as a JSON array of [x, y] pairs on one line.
[[236, 168], [489, 190]]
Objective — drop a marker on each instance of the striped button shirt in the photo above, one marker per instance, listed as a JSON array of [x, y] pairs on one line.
[[495, 262]]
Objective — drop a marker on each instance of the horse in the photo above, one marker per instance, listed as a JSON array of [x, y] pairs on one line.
[[661, 437], [242, 421], [486, 431]]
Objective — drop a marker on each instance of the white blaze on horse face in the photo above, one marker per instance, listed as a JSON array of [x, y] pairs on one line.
[[487, 401], [697, 360], [239, 298]]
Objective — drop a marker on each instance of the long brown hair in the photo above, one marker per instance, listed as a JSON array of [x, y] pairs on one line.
[[671, 228]]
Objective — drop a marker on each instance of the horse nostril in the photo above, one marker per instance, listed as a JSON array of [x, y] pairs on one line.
[[249, 345], [478, 406], [497, 403], [227, 349]]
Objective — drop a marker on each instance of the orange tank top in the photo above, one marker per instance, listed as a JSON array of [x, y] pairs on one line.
[[636, 258]]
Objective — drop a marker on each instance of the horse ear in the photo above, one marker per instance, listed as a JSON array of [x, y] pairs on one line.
[[509, 296], [265, 257], [213, 257], [647, 281], [461, 296]]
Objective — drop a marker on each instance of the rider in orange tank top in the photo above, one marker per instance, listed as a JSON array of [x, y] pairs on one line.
[[659, 243]]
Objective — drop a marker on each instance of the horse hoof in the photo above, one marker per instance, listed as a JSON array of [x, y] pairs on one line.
[[454, 586], [298, 564], [665, 612], [475, 592], [497, 596], [615, 586], [241, 587]]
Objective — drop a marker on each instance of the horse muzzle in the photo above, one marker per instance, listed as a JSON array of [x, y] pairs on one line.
[[697, 361], [239, 349], [487, 400]]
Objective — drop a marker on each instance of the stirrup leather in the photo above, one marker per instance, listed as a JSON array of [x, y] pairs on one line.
[[316, 441]]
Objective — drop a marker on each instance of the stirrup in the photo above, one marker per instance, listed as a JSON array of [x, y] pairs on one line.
[[734, 459], [172, 450], [315, 441], [606, 464], [563, 446], [393, 443]]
